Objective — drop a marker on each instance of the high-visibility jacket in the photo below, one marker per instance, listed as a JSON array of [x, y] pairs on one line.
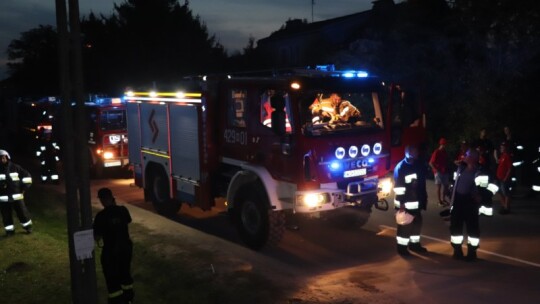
[[410, 185], [14, 180]]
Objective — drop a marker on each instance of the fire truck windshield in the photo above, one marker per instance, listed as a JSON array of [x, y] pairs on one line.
[[113, 120], [331, 112]]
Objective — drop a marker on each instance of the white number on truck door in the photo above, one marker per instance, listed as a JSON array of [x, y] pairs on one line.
[[235, 137]]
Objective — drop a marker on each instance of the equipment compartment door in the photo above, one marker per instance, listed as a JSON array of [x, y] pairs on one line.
[[184, 127]]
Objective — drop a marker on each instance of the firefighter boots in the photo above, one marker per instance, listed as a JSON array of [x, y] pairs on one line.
[[402, 250], [471, 253], [458, 253], [417, 247]]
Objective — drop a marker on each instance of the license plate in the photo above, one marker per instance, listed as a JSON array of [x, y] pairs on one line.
[[113, 164], [355, 172]]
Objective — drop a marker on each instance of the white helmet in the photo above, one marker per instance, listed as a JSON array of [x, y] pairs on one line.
[[4, 152], [404, 218]]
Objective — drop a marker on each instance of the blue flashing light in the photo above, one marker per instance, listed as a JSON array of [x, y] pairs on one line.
[[371, 160], [335, 166], [362, 74], [348, 74]]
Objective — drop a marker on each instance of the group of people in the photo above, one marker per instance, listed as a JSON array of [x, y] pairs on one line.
[[475, 181]]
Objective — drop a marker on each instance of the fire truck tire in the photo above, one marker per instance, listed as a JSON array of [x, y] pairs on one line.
[[257, 225], [157, 191]]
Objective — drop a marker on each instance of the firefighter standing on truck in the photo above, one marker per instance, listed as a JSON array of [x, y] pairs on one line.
[[111, 229], [411, 196], [47, 154], [14, 180]]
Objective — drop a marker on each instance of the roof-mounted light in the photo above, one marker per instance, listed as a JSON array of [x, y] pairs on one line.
[[295, 85]]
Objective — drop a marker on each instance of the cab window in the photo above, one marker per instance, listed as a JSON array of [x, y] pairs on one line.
[[266, 110]]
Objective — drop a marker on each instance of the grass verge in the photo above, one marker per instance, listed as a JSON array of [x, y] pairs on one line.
[[35, 268]]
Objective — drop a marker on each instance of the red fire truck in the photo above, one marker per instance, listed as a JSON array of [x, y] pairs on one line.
[[303, 141], [107, 134]]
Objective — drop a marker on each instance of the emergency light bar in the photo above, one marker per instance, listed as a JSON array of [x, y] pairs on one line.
[[131, 96]]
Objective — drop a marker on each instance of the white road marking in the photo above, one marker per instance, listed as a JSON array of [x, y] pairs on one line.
[[479, 250]]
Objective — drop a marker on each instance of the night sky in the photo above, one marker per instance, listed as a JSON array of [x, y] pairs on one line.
[[231, 21]]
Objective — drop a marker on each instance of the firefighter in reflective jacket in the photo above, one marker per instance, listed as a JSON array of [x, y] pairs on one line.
[[466, 198], [14, 180], [47, 154], [487, 188], [411, 196]]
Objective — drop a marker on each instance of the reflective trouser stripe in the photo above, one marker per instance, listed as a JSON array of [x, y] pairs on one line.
[[415, 239], [485, 211], [16, 197], [29, 223], [116, 294], [127, 287], [43, 178], [493, 188], [397, 204], [473, 241], [399, 190], [411, 205], [402, 241], [536, 188], [456, 239], [2, 177], [9, 228], [54, 177]]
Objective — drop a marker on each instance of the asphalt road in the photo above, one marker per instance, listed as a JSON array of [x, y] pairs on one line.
[[350, 256]]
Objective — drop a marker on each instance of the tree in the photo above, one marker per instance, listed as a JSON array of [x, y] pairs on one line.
[[33, 61]]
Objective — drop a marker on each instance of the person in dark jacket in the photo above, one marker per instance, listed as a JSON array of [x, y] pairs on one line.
[[410, 196], [111, 230], [14, 180]]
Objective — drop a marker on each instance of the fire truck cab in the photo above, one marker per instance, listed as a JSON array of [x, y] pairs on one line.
[[303, 141], [107, 134]]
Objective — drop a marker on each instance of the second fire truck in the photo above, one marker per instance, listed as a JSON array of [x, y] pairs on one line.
[[303, 141]]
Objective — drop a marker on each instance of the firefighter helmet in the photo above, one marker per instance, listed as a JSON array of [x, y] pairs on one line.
[[404, 218], [4, 152]]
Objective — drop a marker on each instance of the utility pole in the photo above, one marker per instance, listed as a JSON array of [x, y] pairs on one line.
[[78, 207]]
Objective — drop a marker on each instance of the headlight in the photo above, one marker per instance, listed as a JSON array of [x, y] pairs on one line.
[[377, 148], [353, 151], [385, 185], [365, 150], [340, 153], [108, 155], [312, 200]]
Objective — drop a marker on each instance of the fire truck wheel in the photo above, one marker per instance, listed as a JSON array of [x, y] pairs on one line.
[[256, 223], [157, 191]]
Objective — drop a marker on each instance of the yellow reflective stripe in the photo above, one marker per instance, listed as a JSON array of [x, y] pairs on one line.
[[14, 176], [4, 198], [409, 178], [456, 239], [411, 205], [402, 240], [415, 239], [397, 204], [9, 227], [399, 190], [27, 223], [116, 294], [17, 196], [127, 287], [27, 180], [2, 177], [473, 241], [481, 181], [493, 188]]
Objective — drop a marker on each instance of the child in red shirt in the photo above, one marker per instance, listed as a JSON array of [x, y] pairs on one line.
[[504, 174]]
